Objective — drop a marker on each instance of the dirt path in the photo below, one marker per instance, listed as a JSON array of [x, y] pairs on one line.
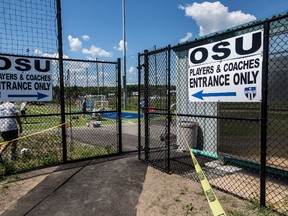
[[162, 194]]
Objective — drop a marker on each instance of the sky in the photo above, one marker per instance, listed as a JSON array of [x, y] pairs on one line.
[[93, 29]]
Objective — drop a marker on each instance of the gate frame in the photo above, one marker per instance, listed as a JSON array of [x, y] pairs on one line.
[[264, 103], [62, 88]]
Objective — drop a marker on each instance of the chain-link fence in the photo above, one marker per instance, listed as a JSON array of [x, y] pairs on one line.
[[241, 146], [28, 27], [91, 89], [81, 117]]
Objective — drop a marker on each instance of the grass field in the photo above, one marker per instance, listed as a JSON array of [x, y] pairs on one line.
[[42, 136]]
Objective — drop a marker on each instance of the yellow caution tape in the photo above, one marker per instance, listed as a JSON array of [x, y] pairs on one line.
[[213, 201], [23, 137]]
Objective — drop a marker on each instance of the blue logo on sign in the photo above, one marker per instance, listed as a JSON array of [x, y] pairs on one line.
[[250, 92]]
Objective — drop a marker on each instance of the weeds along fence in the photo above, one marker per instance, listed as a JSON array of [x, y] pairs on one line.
[[241, 145], [55, 130]]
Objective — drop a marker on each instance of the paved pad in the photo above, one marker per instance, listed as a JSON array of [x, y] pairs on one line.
[[107, 186]]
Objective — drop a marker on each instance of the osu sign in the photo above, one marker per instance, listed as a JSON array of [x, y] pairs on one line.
[[25, 79], [228, 70]]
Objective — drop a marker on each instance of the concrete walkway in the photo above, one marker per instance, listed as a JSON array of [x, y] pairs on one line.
[[107, 186]]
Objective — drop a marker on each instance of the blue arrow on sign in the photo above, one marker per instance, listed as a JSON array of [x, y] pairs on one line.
[[38, 95], [200, 94]]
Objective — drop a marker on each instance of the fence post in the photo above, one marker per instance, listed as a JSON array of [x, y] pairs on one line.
[[119, 109], [139, 108], [263, 152], [62, 94], [169, 106], [146, 104]]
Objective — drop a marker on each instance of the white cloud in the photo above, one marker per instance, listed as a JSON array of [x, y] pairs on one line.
[[37, 51], [75, 43], [91, 58], [86, 37], [132, 70], [93, 51], [121, 46], [53, 55], [212, 17], [186, 38]]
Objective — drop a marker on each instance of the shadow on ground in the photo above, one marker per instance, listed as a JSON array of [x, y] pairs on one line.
[[107, 186]]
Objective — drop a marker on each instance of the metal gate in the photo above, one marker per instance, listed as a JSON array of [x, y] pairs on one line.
[[155, 102], [242, 147], [57, 130], [98, 131]]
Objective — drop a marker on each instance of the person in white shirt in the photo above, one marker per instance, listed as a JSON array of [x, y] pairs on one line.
[[9, 128]]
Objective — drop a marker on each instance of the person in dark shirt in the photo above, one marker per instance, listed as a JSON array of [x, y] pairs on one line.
[[84, 107]]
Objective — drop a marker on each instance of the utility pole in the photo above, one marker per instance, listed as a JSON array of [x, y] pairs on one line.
[[97, 74], [124, 55], [103, 76], [155, 63], [87, 79]]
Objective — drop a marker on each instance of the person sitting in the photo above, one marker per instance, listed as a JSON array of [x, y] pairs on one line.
[[96, 115]]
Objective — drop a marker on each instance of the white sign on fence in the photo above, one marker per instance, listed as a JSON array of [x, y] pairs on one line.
[[25, 79], [227, 71]]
